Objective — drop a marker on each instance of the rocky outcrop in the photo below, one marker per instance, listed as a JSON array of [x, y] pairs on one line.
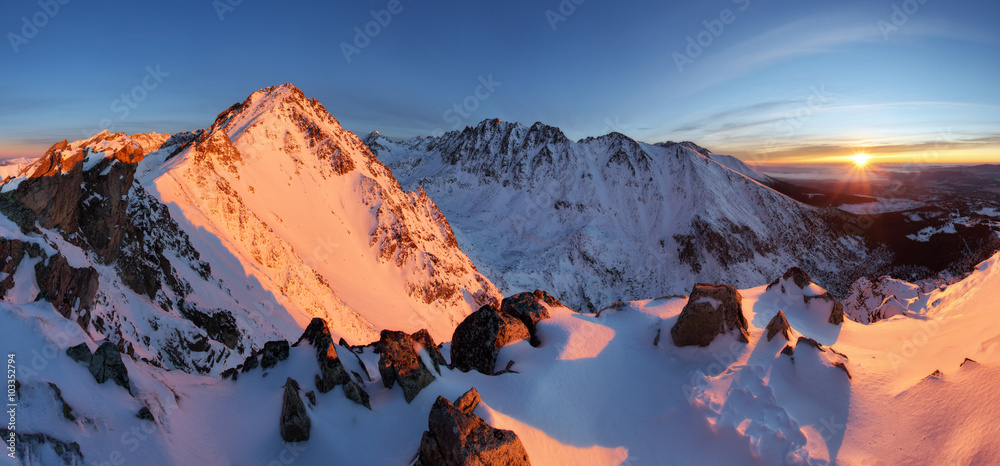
[[273, 352], [80, 353], [107, 364], [798, 278], [354, 392], [711, 310], [400, 361], [456, 436], [331, 370], [68, 288], [12, 251], [66, 197], [29, 447], [779, 325], [295, 423], [479, 337], [530, 308], [220, 325]]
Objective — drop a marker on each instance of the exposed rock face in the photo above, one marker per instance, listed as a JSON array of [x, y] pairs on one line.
[[273, 352], [479, 337], [66, 197], [30, 445], [798, 276], [711, 310], [80, 353], [400, 361], [220, 325], [107, 365], [295, 423], [12, 251], [67, 288], [778, 325], [145, 414], [455, 436], [529, 308]]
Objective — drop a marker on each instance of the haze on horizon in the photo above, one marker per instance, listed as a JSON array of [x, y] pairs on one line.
[[783, 81]]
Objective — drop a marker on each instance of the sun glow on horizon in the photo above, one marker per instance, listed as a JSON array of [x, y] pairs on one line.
[[861, 160]]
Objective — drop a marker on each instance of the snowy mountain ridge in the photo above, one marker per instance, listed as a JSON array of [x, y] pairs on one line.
[[608, 218]]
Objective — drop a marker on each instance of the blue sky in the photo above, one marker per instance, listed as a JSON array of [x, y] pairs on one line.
[[770, 80]]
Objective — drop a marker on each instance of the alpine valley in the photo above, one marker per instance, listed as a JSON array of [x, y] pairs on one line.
[[273, 289]]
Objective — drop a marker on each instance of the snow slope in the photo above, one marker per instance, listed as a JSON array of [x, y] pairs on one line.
[[597, 391], [608, 219]]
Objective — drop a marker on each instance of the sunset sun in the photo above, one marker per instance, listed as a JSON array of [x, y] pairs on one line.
[[860, 160]]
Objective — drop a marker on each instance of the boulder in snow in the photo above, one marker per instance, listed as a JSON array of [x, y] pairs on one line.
[[80, 353], [479, 337], [106, 364], [295, 423], [711, 310], [529, 308], [456, 436], [400, 361], [273, 352], [778, 324]]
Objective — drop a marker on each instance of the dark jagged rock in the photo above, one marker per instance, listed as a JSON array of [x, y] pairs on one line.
[[656, 340], [317, 333], [230, 373], [423, 338], [468, 401], [354, 392], [107, 365], [273, 352], [68, 288], [399, 361], [311, 396], [455, 436], [808, 341], [12, 251], [67, 410], [295, 423], [778, 324], [80, 353], [798, 276], [478, 339], [789, 351], [843, 367], [700, 321], [67, 452], [250, 362], [220, 325], [967, 360], [331, 370], [529, 308], [145, 414]]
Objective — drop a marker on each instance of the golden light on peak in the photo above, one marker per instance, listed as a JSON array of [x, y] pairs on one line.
[[860, 160]]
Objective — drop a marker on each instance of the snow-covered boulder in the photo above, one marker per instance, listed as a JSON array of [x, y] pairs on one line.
[[796, 285], [711, 310], [456, 436], [872, 301], [478, 339]]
